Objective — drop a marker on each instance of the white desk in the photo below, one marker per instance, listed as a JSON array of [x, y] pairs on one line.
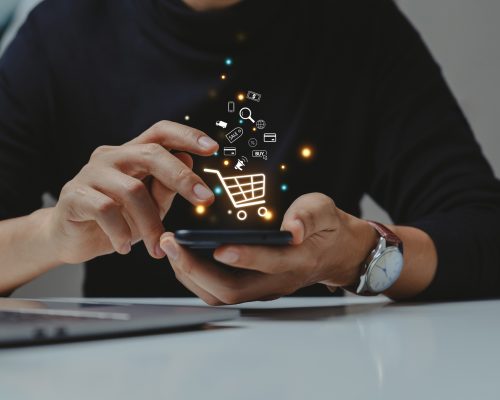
[[324, 350]]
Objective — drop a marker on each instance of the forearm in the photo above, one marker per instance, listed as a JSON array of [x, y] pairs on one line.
[[25, 250], [420, 263]]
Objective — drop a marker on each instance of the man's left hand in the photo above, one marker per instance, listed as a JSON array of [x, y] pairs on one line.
[[329, 247]]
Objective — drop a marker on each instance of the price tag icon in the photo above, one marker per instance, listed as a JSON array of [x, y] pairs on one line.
[[234, 135]]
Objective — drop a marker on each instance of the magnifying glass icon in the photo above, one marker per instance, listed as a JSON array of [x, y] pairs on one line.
[[246, 113]]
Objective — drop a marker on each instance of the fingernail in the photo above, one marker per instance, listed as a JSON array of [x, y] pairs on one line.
[[170, 249], [229, 256], [159, 252], [202, 192], [206, 142]]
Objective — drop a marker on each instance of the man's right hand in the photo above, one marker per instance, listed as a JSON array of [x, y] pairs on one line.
[[122, 195]]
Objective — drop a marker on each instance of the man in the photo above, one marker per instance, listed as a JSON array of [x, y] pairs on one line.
[[353, 79]]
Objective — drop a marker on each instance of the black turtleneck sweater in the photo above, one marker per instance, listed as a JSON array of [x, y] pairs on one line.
[[351, 79]]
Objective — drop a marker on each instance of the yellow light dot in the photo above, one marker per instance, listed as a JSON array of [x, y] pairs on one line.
[[306, 152], [223, 77], [240, 97], [187, 118], [283, 167], [226, 162], [200, 210], [230, 212], [268, 216], [254, 129]]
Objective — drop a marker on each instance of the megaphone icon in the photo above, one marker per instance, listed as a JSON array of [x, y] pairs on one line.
[[241, 163]]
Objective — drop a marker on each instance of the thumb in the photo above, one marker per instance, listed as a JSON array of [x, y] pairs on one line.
[[310, 214]]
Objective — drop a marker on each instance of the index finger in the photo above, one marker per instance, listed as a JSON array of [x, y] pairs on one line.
[[172, 135]]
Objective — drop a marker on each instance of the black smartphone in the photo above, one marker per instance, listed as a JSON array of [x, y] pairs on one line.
[[211, 239]]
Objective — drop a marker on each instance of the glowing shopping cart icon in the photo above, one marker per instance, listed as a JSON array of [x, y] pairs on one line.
[[244, 191]]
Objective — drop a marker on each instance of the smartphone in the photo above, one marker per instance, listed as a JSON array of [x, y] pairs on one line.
[[211, 239]]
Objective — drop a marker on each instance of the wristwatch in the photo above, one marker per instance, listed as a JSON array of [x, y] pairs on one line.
[[384, 264]]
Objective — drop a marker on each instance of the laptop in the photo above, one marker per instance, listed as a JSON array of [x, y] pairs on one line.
[[40, 321]]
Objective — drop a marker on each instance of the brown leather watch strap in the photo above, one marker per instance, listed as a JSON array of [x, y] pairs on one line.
[[391, 238]]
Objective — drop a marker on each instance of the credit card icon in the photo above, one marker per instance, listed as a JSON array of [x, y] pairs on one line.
[[229, 151], [270, 137], [234, 135]]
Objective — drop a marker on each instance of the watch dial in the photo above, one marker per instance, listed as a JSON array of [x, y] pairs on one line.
[[385, 270]]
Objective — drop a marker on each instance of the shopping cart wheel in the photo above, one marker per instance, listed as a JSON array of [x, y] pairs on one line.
[[242, 215], [262, 211]]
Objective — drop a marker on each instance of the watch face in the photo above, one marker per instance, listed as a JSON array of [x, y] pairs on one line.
[[385, 270]]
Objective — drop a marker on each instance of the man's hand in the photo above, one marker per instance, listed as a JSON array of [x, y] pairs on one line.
[[121, 196], [329, 246]]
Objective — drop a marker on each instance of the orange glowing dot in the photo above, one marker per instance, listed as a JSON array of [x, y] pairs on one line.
[[283, 167], [226, 162], [306, 152], [200, 210], [268, 216], [223, 77], [254, 129], [240, 96]]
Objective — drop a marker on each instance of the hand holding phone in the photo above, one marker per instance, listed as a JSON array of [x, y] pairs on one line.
[[328, 247]]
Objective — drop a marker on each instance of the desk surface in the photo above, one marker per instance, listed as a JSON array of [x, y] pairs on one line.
[[289, 349]]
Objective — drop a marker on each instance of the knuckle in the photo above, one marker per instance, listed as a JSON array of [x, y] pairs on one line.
[[105, 206], [192, 133], [73, 192], [325, 200], [67, 189], [99, 151], [151, 149], [184, 174], [134, 187], [158, 131], [70, 200], [160, 126]]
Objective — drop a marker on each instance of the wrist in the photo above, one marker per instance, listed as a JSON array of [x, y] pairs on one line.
[[364, 239], [27, 251], [42, 243]]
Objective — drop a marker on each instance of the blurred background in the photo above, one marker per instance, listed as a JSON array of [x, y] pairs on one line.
[[462, 34]]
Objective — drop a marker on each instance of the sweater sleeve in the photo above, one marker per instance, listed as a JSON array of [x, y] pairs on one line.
[[428, 171], [25, 152]]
